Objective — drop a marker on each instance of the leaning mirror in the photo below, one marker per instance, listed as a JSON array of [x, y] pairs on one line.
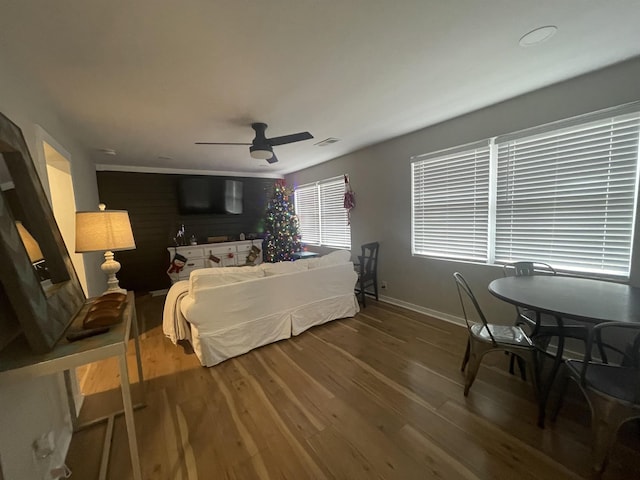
[[39, 290]]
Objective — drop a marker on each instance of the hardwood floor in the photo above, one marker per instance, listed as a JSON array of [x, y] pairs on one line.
[[378, 396]]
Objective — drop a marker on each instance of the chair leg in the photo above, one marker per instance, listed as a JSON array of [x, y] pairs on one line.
[[375, 287], [477, 350], [560, 392], [606, 417], [465, 360], [603, 354], [472, 370], [361, 293], [522, 366], [532, 362]]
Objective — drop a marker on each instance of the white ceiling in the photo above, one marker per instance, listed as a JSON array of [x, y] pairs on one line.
[[148, 78]]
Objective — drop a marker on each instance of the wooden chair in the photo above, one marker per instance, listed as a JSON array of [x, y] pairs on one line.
[[612, 390], [367, 269], [485, 337]]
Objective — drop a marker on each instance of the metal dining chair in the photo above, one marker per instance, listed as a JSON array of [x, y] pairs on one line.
[[611, 389], [542, 331], [486, 337], [527, 317]]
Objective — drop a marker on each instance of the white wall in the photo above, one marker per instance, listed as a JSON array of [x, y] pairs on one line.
[[34, 407], [381, 178]]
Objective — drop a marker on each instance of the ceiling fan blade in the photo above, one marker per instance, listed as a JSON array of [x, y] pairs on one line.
[[294, 137], [220, 143], [273, 159]]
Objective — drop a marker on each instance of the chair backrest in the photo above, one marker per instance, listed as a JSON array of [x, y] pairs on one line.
[[369, 259], [522, 269], [627, 337], [470, 305]]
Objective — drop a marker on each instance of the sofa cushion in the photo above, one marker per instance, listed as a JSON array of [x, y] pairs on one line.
[[310, 263], [214, 277], [334, 258], [279, 268]]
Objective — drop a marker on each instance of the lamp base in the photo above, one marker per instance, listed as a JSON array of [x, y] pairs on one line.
[[110, 267], [114, 290]]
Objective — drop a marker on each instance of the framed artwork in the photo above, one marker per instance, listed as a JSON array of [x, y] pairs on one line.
[[39, 308]]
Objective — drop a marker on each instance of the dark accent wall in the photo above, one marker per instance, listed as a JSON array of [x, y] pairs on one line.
[[152, 202]]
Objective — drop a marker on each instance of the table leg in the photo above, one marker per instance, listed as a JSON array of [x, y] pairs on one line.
[[106, 449], [128, 415], [545, 387], [136, 340], [71, 400]]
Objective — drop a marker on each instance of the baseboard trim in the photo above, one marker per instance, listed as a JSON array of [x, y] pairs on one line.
[[459, 321], [427, 311]]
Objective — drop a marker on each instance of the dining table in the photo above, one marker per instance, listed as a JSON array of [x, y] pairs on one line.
[[587, 300]]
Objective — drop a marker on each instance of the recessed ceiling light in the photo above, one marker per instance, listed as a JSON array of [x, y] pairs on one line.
[[538, 36], [107, 151]]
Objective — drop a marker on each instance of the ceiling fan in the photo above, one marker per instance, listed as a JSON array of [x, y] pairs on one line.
[[262, 147]]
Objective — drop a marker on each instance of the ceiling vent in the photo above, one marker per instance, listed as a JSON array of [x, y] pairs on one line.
[[107, 151], [327, 141]]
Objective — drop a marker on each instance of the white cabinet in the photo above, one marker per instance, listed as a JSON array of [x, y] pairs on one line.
[[212, 255]]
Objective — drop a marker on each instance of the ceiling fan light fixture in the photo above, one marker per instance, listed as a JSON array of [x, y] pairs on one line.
[[537, 36], [261, 153]]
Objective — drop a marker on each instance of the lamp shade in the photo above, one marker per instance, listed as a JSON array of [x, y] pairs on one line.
[[104, 230], [30, 244]]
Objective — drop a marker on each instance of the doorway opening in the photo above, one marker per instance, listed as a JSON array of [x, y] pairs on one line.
[[63, 203]]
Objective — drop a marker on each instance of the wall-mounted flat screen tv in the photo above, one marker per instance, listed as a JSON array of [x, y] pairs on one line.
[[209, 195]]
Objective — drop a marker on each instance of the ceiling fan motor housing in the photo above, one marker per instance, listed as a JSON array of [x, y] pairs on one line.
[[260, 147]]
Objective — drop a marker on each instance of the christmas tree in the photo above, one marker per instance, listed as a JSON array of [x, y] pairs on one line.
[[282, 234]]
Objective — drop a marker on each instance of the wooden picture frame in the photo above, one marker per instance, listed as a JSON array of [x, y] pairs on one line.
[[41, 313]]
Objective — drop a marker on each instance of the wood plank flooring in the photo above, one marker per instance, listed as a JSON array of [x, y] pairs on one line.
[[377, 396]]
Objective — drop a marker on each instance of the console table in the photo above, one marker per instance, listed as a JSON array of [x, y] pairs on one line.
[[230, 254], [18, 362]]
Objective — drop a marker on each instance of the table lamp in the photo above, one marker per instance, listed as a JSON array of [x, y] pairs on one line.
[[105, 231]]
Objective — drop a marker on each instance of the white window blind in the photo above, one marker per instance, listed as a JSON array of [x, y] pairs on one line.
[[567, 197], [450, 203], [335, 229], [307, 205], [321, 213]]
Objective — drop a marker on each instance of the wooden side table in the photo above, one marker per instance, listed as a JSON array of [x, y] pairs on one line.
[[18, 362]]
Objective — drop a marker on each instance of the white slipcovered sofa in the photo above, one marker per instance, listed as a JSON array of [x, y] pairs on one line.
[[225, 312]]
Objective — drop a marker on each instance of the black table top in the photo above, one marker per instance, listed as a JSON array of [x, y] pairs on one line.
[[578, 298]]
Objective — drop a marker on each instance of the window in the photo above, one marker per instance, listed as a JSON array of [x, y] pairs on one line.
[[563, 194], [451, 204], [321, 213], [307, 203]]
